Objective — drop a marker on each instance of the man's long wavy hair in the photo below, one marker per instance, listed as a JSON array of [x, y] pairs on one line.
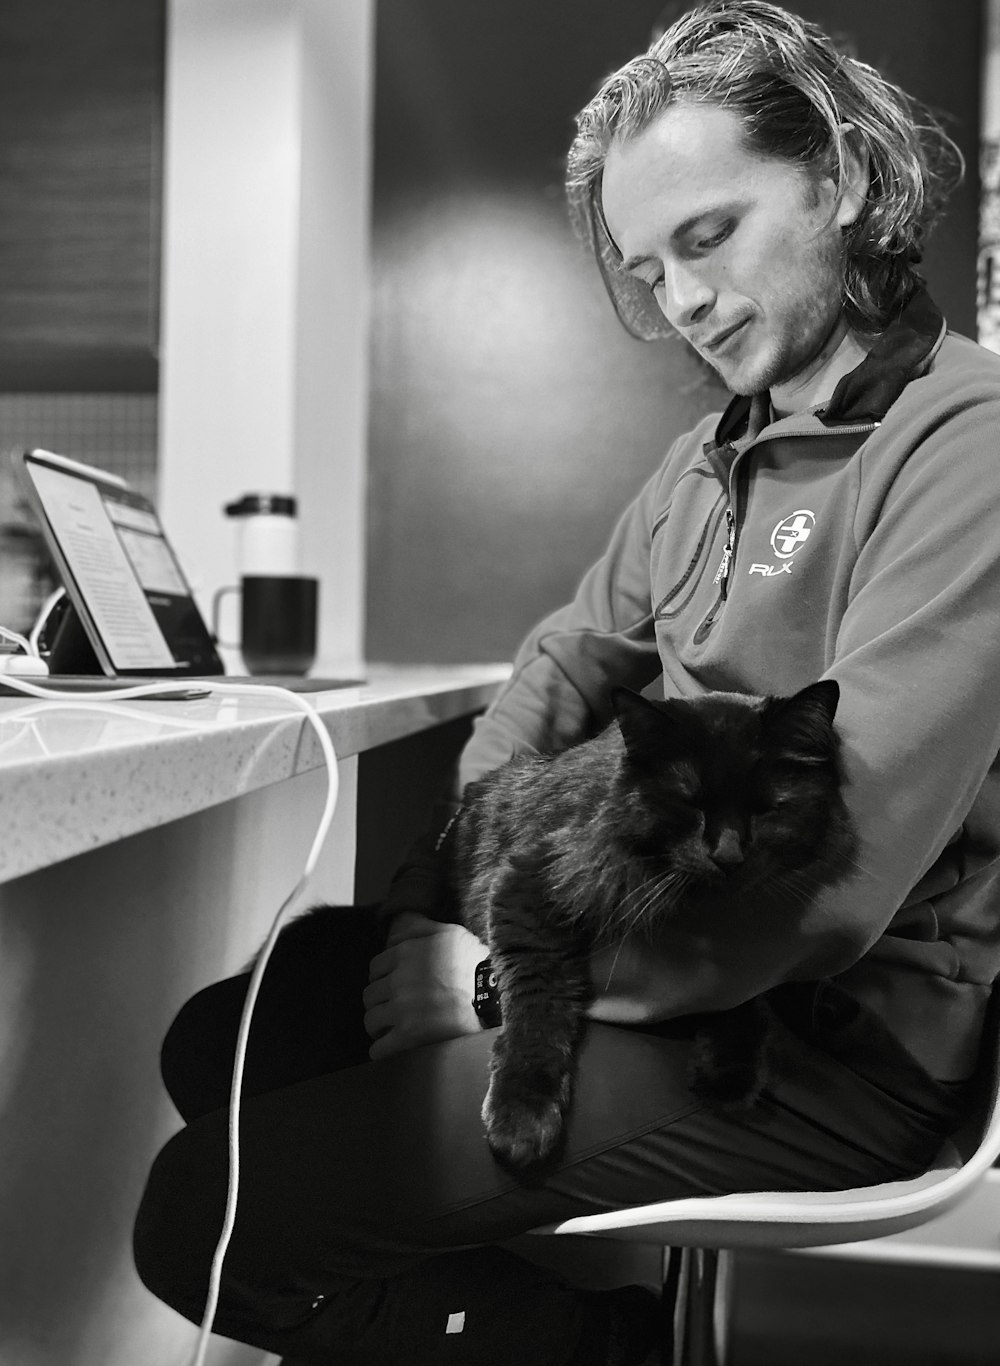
[[793, 92]]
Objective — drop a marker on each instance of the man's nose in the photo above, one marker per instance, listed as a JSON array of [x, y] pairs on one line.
[[685, 297]]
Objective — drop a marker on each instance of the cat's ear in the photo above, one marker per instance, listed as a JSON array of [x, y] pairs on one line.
[[629, 705], [803, 723], [822, 697], [640, 721]]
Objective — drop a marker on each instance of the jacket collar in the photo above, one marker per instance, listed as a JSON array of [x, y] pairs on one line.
[[901, 353]]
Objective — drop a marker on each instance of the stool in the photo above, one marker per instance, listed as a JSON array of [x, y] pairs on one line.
[[698, 1235]]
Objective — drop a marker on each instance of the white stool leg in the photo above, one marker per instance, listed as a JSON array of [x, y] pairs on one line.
[[697, 1306]]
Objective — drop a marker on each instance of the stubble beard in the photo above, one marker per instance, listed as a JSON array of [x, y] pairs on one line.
[[811, 327]]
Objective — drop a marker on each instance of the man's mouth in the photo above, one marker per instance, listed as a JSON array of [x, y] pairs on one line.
[[722, 339]]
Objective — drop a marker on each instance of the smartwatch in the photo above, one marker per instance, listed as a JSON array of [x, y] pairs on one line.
[[486, 1000]]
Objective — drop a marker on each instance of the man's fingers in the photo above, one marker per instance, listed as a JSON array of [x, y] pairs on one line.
[[376, 993], [386, 1045], [379, 1020], [382, 964]]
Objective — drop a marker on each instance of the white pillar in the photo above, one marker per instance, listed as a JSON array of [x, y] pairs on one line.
[[265, 290]]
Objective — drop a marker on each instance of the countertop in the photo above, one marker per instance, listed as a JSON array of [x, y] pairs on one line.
[[79, 774]]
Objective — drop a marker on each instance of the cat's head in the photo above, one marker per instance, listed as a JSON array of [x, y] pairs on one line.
[[732, 789]]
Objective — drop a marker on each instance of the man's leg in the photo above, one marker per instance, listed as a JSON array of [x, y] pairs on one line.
[[308, 1019], [370, 1204]]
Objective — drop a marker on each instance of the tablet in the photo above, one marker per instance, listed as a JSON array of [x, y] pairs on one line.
[[118, 569]]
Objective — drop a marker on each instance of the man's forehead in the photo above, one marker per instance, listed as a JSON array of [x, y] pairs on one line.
[[687, 164], [681, 131]]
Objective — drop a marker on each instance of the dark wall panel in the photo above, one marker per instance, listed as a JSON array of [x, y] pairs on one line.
[[81, 92], [933, 50], [511, 417]]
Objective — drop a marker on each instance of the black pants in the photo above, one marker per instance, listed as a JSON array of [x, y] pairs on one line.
[[370, 1207]]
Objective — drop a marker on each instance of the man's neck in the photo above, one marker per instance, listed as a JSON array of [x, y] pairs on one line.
[[842, 352]]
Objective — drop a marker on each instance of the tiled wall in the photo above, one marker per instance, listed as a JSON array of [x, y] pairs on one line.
[[118, 432]]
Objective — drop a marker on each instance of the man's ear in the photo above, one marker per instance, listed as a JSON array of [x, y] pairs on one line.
[[857, 176]]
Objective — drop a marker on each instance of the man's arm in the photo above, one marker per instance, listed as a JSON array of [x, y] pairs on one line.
[[563, 673]]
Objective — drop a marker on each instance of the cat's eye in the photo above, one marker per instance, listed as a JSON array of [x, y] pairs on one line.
[[692, 819]]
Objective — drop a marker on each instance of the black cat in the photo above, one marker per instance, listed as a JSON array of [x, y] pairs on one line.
[[720, 801]]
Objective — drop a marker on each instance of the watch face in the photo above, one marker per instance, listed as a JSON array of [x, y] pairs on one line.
[[486, 1000]]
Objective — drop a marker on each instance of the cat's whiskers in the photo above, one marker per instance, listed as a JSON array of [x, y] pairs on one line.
[[856, 864], [786, 893], [674, 880], [614, 963], [619, 918], [669, 887], [797, 889]]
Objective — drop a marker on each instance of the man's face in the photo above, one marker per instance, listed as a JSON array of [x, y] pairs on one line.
[[742, 253]]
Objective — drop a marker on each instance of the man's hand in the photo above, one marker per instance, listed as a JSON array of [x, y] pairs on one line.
[[626, 989], [639, 980], [420, 986]]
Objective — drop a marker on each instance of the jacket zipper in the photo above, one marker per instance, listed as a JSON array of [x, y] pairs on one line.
[[721, 579], [722, 573]]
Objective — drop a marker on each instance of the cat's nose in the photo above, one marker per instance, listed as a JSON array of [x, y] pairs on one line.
[[728, 849]]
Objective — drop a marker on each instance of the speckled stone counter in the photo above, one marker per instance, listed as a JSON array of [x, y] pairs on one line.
[[77, 775]]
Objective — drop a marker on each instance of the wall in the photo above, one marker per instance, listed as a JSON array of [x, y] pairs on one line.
[[511, 417], [934, 51], [81, 93], [80, 104]]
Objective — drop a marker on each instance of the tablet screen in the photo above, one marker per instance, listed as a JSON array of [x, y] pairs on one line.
[[119, 569]]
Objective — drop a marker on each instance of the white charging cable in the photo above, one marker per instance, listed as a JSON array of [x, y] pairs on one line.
[[25, 661], [160, 690]]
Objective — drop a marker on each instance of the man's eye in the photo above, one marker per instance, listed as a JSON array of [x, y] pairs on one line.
[[652, 283], [715, 240]]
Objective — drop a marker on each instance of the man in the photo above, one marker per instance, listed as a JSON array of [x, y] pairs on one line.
[[767, 198]]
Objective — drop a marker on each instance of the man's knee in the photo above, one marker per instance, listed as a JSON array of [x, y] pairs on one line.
[[177, 1228]]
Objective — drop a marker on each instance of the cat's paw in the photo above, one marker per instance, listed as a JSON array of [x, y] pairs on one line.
[[523, 1133]]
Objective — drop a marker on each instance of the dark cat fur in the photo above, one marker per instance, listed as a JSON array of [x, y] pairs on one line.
[[677, 807]]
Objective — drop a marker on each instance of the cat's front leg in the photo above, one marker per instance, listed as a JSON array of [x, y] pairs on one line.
[[525, 1106], [544, 992]]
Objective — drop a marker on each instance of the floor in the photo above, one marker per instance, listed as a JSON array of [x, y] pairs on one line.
[[793, 1310]]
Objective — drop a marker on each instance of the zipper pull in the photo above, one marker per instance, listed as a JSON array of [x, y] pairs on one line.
[[722, 573]]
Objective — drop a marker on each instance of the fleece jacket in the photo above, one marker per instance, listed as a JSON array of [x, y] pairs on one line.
[[858, 541]]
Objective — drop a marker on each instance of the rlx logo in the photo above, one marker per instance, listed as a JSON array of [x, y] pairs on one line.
[[769, 570], [792, 533], [789, 536]]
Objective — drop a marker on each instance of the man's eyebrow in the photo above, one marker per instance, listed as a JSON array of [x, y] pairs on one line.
[[683, 229], [634, 261]]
